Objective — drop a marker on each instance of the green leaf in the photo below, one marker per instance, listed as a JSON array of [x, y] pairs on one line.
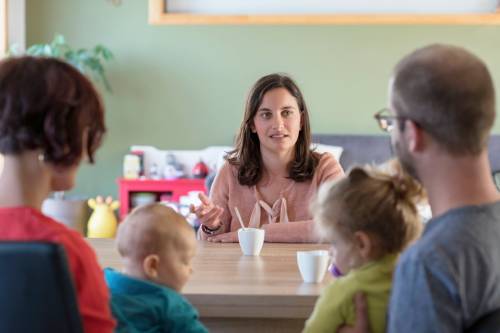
[[36, 50], [89, 62], [59, 39], [47, 50], [13, 50]]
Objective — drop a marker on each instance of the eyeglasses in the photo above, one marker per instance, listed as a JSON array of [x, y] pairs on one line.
[[386, 120]]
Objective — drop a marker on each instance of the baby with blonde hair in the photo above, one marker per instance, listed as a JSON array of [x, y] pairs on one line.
[[157, 246], [369, 217]]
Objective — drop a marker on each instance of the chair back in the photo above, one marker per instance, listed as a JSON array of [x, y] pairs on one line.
[[36, 289], [489, 323]]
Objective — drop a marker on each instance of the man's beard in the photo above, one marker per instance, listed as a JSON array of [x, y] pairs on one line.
[[399, 150]]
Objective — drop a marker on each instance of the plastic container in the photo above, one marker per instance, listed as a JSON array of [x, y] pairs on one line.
[[73, 213], [142, 198]]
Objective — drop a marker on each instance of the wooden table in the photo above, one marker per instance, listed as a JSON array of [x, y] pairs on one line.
[[236, 293]]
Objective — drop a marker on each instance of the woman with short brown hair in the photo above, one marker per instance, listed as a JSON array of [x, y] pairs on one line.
[[51, 118]]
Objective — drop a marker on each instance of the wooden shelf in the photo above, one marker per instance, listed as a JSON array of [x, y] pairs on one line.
[[158, 16]]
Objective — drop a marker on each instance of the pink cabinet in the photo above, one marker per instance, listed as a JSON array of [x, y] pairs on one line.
[[173, 189]]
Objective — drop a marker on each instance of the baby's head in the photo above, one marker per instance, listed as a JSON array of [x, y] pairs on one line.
[[367, 215], [157, 244]]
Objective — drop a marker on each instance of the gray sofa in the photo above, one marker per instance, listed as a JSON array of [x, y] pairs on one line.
[[363, 149], [368, 149]]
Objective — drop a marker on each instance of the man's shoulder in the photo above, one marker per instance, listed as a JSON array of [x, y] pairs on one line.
[[464, 224], [462, 214], [464, 229]]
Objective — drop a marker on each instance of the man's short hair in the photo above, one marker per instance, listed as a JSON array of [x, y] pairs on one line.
[[449, 92]]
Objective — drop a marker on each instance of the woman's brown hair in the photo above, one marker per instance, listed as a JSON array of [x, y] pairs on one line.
[[47, 104], [382, 204], [247, 157]]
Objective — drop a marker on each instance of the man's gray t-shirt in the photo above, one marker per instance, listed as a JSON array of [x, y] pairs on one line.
[[450, 277]]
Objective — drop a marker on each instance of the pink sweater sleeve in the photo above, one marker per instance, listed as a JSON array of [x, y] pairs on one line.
[[304, 231], [328, 169], [219, 194]]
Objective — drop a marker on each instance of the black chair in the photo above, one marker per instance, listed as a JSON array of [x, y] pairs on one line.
[[36, 289], [487, 324]]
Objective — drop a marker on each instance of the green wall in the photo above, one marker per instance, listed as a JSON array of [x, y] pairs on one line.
[[183, 87]]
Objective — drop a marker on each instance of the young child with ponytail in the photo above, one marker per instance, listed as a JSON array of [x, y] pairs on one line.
[[369, 217]]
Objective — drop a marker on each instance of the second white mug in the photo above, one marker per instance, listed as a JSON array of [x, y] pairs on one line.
[[313, 265]]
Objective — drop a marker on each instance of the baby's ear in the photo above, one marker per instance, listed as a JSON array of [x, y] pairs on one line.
[[364, 244], [150, 266]]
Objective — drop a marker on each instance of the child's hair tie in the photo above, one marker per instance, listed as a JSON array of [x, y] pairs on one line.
[[399, 185]]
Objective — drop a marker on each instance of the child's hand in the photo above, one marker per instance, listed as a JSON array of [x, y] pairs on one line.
[[208, 213]]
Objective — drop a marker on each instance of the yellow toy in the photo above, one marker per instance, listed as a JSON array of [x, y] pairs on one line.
[[102, 222]]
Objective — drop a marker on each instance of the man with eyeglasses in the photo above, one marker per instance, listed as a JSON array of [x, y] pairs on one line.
[[441, 111]]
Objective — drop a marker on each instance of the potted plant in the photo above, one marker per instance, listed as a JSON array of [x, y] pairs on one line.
[[88, 61]]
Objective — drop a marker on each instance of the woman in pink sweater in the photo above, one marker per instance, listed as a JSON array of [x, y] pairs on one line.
[[272, 173]]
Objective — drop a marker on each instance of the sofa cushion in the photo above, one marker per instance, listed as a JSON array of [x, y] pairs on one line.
[[358, 149], [367, 149]]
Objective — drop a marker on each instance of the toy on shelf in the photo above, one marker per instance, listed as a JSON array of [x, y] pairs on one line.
[[173, 169], [140, 154], [102, 222], [154, 172], [200, 170], [131, 166]]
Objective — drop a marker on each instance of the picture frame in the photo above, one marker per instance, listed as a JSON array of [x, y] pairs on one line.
[[159, 15]]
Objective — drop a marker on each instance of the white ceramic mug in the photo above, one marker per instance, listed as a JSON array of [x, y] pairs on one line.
[[251, 240], [313, 265]]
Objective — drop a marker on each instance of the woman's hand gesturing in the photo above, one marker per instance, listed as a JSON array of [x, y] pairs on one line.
[[208, 213]]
